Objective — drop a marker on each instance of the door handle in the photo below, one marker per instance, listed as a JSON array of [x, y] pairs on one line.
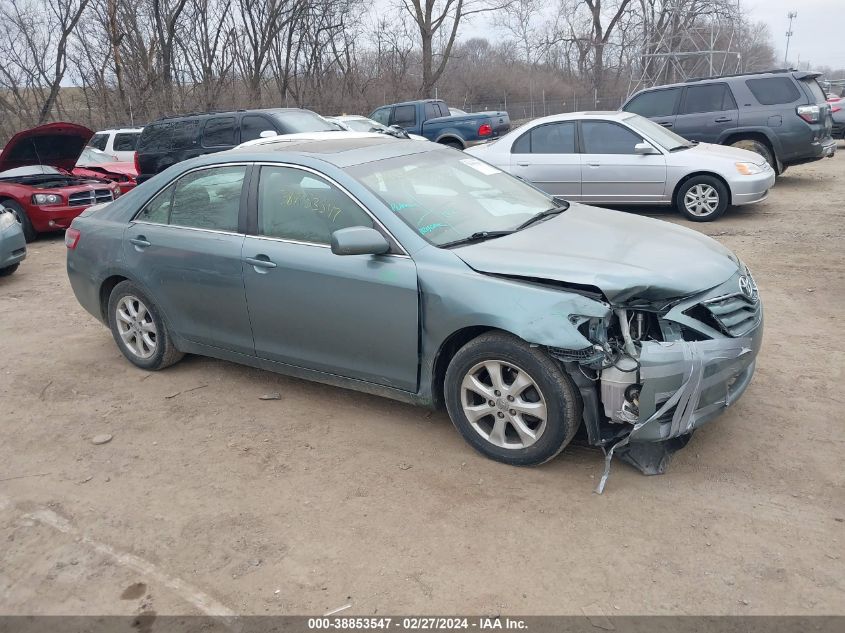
[[260, 261], [523, 164], [139, 242], [666, 124], [594, 164], [723, 119]]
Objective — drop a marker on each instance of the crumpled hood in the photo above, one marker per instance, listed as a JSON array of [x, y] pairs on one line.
[[624, 255], [55, 144], [725, 151]]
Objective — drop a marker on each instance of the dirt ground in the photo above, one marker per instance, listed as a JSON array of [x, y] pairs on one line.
[[210, 500]]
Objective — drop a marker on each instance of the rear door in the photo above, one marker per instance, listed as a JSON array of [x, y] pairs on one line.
[[706, 111], [185, 245], [658, 105], [547, 155], [353, 315], [611, 172]]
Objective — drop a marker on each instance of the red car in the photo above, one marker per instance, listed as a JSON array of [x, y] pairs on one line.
[[94, 163], [36, 179]]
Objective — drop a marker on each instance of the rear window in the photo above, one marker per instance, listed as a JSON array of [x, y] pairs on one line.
[[774, 90], [708, 98], [654, 103], [98, 141], [125, 141], [168, 135], [155, 137], [294, 121], [219, 132], [815, 90]]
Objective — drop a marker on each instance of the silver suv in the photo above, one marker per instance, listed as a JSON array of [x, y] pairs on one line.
[[780, 114]]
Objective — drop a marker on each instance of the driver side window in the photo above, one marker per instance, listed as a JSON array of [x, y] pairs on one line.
[[297, 205], [603, 137]]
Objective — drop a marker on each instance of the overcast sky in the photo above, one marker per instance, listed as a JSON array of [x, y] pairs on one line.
[[818, 33]]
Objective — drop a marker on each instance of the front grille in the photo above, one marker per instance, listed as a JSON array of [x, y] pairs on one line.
[[87, 198], [735, 314]]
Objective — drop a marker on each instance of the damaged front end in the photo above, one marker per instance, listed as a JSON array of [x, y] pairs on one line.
[[655, 373]]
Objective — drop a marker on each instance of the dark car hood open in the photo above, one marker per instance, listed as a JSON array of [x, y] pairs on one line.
[[55, 144], [624, 255]]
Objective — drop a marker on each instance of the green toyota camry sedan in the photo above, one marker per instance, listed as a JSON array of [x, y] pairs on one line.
[[417, 272]]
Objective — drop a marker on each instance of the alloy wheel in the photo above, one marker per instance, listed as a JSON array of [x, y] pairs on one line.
[[136, 327], [701, 200], [503, 404]]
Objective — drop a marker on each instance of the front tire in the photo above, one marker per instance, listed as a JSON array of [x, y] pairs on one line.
[[29, 231], [702, 199], [139, 330], [511, 402], [8, 270]]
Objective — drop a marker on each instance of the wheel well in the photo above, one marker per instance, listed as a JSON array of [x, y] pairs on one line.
[[751, 136], [447, 140], [701, 173], [444, 356], [105, 292]]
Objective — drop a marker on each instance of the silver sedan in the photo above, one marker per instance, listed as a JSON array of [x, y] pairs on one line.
[[623, 158]]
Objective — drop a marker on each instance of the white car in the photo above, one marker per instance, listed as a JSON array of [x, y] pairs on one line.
[[357, 123], [623, 158], [118, 142]]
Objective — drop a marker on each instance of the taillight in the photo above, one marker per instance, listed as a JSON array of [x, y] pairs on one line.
[[810, 113], [485, 130], [137, 164], [835, 109], [72, 238]]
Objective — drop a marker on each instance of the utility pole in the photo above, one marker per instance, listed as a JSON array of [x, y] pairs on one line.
[[791, 15]]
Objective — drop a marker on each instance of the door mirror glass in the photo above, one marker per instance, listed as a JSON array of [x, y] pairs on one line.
[[268, 134], [359, 240], [644, 149]]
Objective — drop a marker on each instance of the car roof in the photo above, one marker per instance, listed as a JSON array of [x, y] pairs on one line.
[[120, 130], [778, 72], [341, 149], [193, 115], [613, 115]]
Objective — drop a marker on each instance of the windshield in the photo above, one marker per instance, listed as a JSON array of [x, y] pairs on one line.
[[659, 134], [92, 156], [293, 121], [364, 125], [447, 196]]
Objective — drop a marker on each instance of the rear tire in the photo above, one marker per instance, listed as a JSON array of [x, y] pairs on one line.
[[536, 408], [139, 330], [29, 231], [702, 198], [8, 270]]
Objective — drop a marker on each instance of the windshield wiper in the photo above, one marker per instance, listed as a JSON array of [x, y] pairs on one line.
[[543, 214], [478, 236]]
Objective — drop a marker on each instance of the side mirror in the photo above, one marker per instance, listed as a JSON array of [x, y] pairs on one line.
[[644, 149], [267, 134], [359, 240]]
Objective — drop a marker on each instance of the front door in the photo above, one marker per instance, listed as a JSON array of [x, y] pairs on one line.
[[547, 156], [349, 315], [611, 171], [185, 245]]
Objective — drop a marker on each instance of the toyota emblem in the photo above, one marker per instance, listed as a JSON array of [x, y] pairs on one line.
[[748, 288]]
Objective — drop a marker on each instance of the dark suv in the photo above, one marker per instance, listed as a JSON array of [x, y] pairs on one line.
[[173, 139], [780, 114]]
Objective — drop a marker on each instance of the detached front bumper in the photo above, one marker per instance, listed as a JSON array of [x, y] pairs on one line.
[[688, 383]]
